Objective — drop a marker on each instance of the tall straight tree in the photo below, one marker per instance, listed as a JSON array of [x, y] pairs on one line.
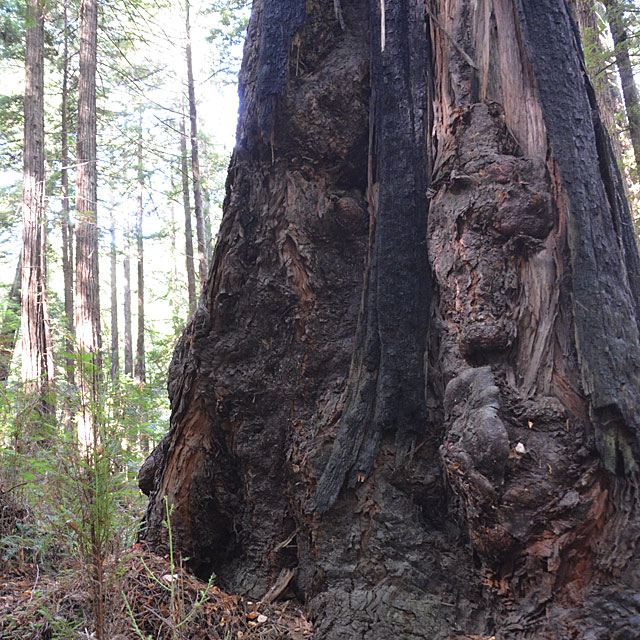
[[128, 338], [139, 372], [115, 356], [620, 33], [37, 360], [410, 391], [67, 230], [87, 292], [188, 233], [195, 161]]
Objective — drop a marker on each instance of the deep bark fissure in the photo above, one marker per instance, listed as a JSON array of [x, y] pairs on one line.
[[386, 388]]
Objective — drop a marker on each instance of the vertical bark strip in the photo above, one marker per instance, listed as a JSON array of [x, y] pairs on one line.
[[387, 384], [87, 294], [195, 160], [188, 233], [36, 344]]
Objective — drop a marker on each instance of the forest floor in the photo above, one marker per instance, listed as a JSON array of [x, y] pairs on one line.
[[145, 596]]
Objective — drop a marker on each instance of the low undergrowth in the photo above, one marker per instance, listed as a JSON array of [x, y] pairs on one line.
[[37, 606], [70, 567]]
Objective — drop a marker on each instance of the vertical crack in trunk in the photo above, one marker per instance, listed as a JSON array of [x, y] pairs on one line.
[[386, 389]]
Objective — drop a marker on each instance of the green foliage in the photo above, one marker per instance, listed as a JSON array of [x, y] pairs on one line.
[[228, 35], [11, 29]]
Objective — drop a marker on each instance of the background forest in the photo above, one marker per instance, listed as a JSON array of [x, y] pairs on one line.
[[114, 143]]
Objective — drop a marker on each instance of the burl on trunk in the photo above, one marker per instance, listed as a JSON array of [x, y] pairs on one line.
[[412, 377]]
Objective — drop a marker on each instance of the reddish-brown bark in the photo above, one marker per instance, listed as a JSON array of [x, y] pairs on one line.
[[37, 357], [87, 293]]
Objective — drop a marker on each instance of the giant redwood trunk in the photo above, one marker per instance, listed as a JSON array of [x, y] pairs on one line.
[[410, 387]]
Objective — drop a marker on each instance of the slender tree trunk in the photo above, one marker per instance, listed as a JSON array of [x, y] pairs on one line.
[[410, 389], [176, 290], [139, 367], [87, 300], [10, 324], [128, 338], [617, 23], [188, 233], [37, 364], [67, 231], [208, 235], [115, 357], [139, 371], [195, 162]]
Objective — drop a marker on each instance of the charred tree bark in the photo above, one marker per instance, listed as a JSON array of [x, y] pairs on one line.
[[208, 232], [413, 374]]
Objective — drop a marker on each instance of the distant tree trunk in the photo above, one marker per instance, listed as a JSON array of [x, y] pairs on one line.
[[617, 23], [115, 357], [410, 389], [188, 233], [175, 288], [195, 162], [208, 235], [128, 337], [139, 367], [87, 293], [10, 323], [67, 230], [139, 371], [37, 362]]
